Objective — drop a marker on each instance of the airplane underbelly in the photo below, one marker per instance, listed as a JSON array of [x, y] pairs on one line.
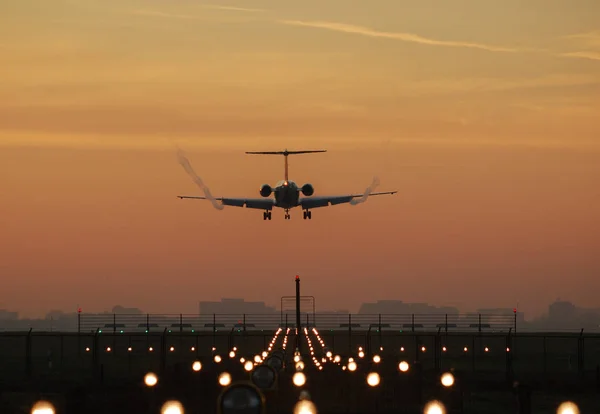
[[287, 198]]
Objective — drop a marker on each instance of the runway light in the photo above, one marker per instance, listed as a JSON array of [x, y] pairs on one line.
[[377, 359], [447, 379], [444, 349], [232, 354], [224, 379], [465, 349], [257, 359], [172, 407], [193, 348], [300, 366], [248, 366], [108, 349], [150, 379], [197, 366], [264, 354], [361, 354], [299, 379], [567, 408], [487, 349], [403, 366], [423, 349], [337, 359], [373, 379], [43, 407], [305, 407], [217, 358], [296, 358], [507, 349], [172, 349], [150, 349], [434, 407], [87, 349], [242, 360], [401, 349], [352, 366], [129, 349]]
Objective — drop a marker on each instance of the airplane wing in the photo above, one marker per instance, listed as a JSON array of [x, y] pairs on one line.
[[257, 203], [324, 201]]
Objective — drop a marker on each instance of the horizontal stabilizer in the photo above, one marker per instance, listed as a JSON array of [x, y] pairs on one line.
[[286, 152]]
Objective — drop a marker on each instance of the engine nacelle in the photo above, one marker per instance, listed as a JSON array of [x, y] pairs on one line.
[[308, 190], [266, 190]]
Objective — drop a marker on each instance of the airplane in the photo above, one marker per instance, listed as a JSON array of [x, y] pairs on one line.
[[287, 193]]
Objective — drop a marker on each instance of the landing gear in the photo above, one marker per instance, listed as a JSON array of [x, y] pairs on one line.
[[287, 214], [307, 215], [267, 215]]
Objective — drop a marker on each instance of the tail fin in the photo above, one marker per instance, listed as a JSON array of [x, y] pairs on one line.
[[285, 154]]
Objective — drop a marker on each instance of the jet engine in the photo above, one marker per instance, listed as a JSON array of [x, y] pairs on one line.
[[308, 190], [266, 190]]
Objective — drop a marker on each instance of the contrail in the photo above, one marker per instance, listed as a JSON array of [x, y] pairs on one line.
[[185, 163], [368, 191]]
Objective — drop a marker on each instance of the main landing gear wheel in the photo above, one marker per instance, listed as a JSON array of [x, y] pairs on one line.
[[307, 215], [267, 215]]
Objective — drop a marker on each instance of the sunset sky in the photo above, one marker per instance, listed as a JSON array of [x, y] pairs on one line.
[[485, 116]]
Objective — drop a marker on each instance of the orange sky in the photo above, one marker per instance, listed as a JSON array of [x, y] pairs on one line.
[[484, 119]]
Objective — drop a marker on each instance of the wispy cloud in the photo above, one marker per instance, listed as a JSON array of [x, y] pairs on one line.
[[583, 55], [406, 37], [232, 8], [165, 15], [590, 41]]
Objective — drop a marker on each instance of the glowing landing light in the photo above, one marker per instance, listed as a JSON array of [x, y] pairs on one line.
[[403, 366], [377, 359], [172, 407], [232, 354], [567, 408], [248, 366], [150, 379], [197, 366], [43, 407], [447, 379], [224, 379], [434, 407], [217, 358], [299, 379], [337, 359], [305, 407], [352, 366], [373, 379], [361, 354]]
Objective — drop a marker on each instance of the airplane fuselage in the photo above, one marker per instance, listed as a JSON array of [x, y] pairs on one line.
[[287, 194]]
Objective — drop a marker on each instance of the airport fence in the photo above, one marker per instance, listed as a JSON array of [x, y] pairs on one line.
[[127, 355], [119, 323]]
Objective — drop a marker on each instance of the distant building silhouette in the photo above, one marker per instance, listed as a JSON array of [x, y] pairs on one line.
[[6, 315], [234, 306], [397, 307]]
